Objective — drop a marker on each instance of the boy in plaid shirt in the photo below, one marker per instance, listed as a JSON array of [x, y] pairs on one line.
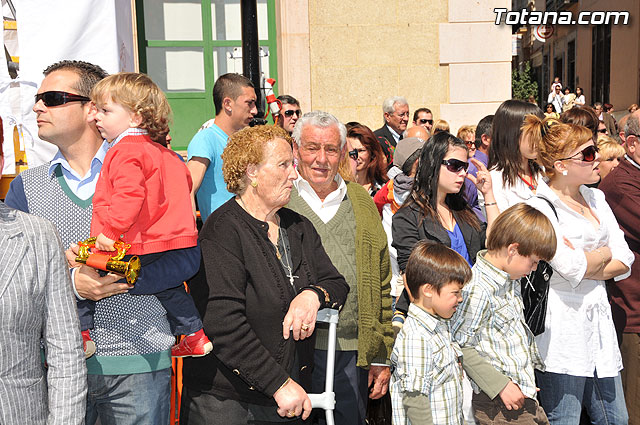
[[489, 324], [426, 384]]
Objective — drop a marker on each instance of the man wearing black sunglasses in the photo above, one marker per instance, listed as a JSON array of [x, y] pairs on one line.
[[129, 377], [423, 117], [289, 113]]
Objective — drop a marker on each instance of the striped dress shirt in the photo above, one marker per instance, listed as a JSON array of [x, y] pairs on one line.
[[36, 303], [491, 319], [426, 360]]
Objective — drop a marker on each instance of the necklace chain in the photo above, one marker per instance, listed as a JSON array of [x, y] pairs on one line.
[[279, 255], [575, 203]]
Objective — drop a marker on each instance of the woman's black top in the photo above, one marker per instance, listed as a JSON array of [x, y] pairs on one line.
[[243, 295]]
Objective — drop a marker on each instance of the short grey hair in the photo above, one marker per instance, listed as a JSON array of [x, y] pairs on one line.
[[387, 105], [319, 119], [632, 126]]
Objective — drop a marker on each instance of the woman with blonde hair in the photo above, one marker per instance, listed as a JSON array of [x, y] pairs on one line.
[[467, 133], [611, 153], [579, 345], [440, 125]]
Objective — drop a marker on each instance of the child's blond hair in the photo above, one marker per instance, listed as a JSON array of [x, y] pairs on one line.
[[138, 93], [526, 226]]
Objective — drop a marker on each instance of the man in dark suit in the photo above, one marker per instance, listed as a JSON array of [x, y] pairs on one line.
[[622, 191], [396, 116]]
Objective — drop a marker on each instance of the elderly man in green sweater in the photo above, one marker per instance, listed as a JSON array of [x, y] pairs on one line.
[[349, 224]]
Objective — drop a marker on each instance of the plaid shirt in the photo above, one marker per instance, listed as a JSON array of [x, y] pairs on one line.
[[490, 319], [426, 360]]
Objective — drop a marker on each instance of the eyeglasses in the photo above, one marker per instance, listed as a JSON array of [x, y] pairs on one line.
[[602, 130], [588, 154], [455, 165], [290, 112], [353, 154], [57, 98], [424, 121], [470, 144]]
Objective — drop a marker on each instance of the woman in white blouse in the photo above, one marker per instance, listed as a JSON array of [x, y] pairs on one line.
[[580, 100], [579, 345], [514, 173]]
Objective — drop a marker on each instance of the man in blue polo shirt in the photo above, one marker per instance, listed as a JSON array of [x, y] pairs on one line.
[[235, 101]]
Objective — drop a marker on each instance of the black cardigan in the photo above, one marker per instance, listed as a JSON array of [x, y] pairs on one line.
[[242, 295], [407, 230]]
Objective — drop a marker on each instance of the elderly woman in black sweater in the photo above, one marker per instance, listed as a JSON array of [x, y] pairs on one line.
[[265, 277]]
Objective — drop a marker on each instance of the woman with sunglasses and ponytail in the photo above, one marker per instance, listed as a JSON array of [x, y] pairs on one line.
[[579, 345]]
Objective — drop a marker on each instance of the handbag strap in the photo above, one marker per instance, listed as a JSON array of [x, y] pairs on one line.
[[553, 208]]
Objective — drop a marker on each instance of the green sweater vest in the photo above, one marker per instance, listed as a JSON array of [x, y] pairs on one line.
[[372, 269], [336, 234]]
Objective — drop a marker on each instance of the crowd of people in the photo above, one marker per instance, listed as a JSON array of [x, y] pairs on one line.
[[423, 240]]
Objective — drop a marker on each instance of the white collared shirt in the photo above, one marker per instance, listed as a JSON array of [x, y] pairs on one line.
[[507, 196], [131, 131], [395, 134], [579, 334], [328, 208], [635, 164], [81, 186]]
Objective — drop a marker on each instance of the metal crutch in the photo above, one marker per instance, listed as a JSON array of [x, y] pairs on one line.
[[327, 399]]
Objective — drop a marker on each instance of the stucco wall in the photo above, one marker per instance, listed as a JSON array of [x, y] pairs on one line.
[[446, 55]]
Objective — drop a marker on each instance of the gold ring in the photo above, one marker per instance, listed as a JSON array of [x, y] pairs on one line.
[[291, 413], [304, 327]]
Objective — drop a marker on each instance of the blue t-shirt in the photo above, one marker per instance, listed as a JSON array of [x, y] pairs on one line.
[[457, 243], [209, 143]]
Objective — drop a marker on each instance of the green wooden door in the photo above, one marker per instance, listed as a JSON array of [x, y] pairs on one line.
[[184, 45]]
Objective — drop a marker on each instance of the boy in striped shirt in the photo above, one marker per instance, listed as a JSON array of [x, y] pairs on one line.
[[499, 349], [426, 384]]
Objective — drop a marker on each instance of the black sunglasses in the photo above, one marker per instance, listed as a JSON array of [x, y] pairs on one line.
[[588, 154], [353, 154], [602, 130], [290, 112], [57, 98], [455, 165], [424, 121]]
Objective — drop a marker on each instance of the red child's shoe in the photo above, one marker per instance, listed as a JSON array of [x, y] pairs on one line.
[[88, 345], [196, 345]]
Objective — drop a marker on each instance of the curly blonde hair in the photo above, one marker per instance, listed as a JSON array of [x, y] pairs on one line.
[[245, 148], [466, 130], [138, 93]]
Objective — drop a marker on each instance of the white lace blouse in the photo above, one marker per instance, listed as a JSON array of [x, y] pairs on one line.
[[579, 336]]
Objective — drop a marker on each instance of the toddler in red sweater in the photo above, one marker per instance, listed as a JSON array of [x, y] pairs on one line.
[[143, 198]]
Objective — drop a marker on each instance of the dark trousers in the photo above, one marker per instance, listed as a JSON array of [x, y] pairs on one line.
[[349, 385]]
